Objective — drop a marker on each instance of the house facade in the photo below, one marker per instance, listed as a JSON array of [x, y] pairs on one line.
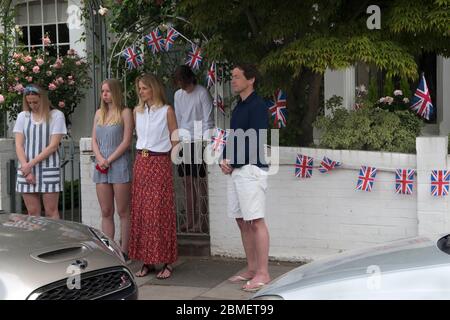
[[61, 20]]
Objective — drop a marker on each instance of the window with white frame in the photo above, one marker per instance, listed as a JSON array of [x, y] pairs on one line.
[[39, 18]]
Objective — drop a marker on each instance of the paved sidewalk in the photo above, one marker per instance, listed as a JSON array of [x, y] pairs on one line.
[[201, 278]]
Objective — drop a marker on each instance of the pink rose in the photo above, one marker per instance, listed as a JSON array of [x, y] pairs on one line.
[[57, 65], [27, 59], [29, 79], [61, 104], [17, 56], [2, 99], [59, 80], [49, 73], [71, 82], [52, 87], [78, 63], [18, 88], [36, 69], [40, 61], [23, 69], [70, 77]]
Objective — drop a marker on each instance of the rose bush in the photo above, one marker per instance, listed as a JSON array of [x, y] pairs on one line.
[[66, 78]]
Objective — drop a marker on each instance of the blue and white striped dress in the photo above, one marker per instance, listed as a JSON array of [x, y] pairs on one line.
[[37, 137]]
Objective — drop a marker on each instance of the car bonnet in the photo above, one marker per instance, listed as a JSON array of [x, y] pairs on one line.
[[394, 256]]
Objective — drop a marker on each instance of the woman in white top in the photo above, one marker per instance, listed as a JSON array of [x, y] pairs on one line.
[[38, 132], [153, 238]]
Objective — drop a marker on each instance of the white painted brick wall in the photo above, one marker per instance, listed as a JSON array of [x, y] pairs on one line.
[[323, 215], [432, 212], [310, 218]]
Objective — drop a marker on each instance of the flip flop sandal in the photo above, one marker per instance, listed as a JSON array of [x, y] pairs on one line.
[[165, 267], [145, 270], [238, 278], [257, 286]]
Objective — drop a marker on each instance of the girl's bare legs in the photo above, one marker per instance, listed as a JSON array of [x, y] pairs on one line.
[[105, 195], [122, 195], [33, 203], [51, 205]]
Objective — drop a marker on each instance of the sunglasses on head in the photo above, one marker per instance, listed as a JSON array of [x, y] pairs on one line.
[[31, 90]]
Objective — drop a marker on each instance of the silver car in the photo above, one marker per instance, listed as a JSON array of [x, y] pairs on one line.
[[43, 259], [415, 268]]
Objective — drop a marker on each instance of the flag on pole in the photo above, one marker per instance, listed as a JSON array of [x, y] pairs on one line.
[[219, 139], [421, 102], [211, 77], [219, 104], [278, 109]]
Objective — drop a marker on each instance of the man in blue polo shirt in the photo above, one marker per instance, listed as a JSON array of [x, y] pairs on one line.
[[244, 160]]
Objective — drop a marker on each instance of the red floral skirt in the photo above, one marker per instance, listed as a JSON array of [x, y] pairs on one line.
[[153, 235]]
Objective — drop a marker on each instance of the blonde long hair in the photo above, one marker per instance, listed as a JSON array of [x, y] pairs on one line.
[[45, 104], [117, 103], [159, 95]]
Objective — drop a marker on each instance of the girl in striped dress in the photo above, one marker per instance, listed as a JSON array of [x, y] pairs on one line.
[[111, 139], [38, 133], [153, 237]]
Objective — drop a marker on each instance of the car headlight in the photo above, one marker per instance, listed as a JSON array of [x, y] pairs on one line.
[[268, 297], [108, 243]]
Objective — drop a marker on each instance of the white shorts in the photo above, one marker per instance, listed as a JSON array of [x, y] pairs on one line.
[[247, 193]]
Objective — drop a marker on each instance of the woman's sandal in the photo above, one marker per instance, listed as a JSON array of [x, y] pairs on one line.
[[145, 270], [167, 267]]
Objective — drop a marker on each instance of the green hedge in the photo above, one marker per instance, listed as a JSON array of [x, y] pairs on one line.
[[370, 128]]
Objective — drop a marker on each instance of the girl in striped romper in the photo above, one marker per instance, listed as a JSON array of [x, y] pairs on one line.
[[112, 133], [38, 133]]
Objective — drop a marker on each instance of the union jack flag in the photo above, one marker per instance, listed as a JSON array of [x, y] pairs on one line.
[[303, 166], [366, 178], [440, 180], [194, 57], [211, 77], [155, 41], [328, 165], [404, 180], [278, 109], [172, 35], [133, 57], [219, 104], [219, 139], [421, 102]]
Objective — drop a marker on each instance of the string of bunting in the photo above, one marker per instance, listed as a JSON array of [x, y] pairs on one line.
[[404, 178], [157, 43]]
